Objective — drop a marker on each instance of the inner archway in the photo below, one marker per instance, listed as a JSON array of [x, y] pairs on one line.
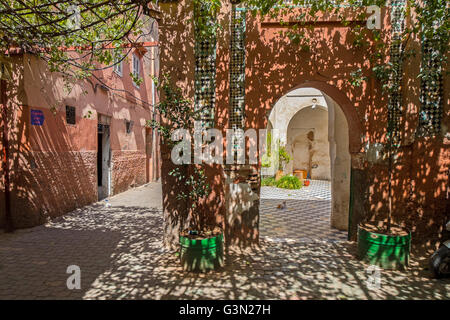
[[313, 129]]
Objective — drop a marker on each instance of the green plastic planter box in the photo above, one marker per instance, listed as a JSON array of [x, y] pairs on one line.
[[387, 252], [201, 255]]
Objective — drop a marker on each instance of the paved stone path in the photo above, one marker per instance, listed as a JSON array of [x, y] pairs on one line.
[[117, 245], [317, 190], [306, 215]]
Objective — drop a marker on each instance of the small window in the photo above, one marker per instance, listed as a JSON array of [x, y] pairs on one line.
[[153, 96], [70, 115], [118, 65], [129, 126], [136, 68]]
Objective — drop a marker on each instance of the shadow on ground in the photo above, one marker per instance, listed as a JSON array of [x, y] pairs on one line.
[[119, 250]]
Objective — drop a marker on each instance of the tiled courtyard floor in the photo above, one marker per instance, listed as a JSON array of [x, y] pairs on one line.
[[305, 216], [118, 248]]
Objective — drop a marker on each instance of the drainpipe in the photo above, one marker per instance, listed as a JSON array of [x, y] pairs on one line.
[[5, 143], [152, 173]]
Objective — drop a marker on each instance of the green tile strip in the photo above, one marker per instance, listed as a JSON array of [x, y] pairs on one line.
[[205, 78], [431, 89], [395, 101], [237, 70]]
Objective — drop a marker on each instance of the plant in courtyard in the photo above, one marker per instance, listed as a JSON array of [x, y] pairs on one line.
[[285, 182], [289, 182], [178, 113], [430, 23], [201, 245], [268, 182], [283, 156]]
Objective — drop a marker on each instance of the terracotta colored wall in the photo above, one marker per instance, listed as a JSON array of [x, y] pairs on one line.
[[56, 168], [177, 61], [128, 170], [275, 66]]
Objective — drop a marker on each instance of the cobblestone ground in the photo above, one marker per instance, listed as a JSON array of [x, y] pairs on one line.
[[117, 245]]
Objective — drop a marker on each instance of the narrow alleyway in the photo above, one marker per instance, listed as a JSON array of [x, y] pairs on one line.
[[118, 246]]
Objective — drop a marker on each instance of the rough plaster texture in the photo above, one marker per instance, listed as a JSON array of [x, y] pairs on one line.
[[128, 170], [340, 165], [288, 105], [308, 143], [54, 165], [275, 66], [56, 183]]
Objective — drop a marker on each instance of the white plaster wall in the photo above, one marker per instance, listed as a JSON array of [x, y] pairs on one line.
[[311, 155], [340, 165], [289, 105]]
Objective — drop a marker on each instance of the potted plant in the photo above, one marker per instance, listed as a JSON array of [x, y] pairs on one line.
[[201, 242], [201, 245], [283, 159], [383, 243]]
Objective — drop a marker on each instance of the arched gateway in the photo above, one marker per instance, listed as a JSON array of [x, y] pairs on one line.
[[340, 123], [240, 74]]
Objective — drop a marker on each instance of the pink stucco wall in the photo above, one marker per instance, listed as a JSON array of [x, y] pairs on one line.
[[55, 170]]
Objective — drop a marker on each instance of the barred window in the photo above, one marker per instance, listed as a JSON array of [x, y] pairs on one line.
[[136, 68], [118, 65], [70, 115]]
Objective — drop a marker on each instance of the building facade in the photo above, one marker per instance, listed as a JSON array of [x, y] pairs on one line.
[[70, 147], [256, 64]]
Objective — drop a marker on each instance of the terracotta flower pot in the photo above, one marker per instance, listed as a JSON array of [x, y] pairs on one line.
[[279, 174]]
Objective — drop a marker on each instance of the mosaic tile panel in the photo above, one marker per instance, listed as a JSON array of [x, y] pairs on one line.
[[205, 78], [237, 69], [431, 91], [395, 101]]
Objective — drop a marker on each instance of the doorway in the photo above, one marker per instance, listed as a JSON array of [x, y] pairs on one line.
[[148, 154], [313, 130], [103, 161]]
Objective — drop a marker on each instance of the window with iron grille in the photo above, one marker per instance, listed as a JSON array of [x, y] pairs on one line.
[[129, 126], [136, 68], [118, 66], [70, 115]]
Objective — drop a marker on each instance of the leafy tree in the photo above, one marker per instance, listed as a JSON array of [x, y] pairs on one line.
[[72, 35]]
